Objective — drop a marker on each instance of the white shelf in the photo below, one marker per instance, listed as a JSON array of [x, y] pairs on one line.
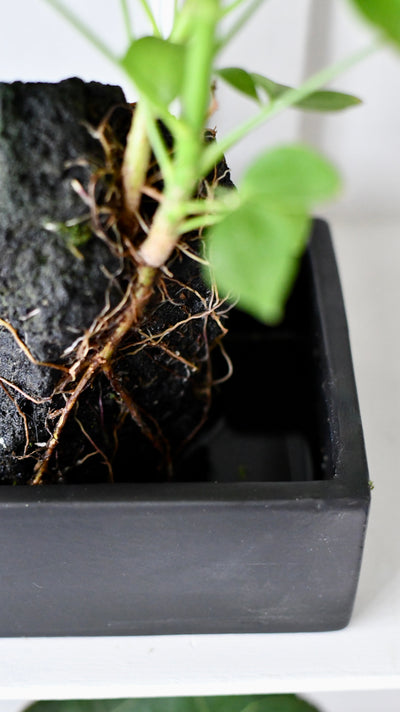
[[366, 655]]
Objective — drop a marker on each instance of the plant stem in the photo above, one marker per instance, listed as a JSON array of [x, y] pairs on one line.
[[233, 6], [198, 222], [165, 230], [83, 29], [240, 22], [199, 62], [147, 9], [127, 20], [291, 97], [158, 144], [140, 292], [136, 159]]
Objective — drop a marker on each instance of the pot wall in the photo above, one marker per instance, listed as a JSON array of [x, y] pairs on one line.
[[204, 557]]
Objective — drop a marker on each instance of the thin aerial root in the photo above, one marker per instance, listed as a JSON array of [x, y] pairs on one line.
[[192, 255], [153, 193], [21, 413], [26, 351], [229, 363], [158, 439], [10, 384], [128, 403], [43, 465], [98, 451]]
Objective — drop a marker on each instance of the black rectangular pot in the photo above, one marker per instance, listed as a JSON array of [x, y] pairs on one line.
[[264, 530]]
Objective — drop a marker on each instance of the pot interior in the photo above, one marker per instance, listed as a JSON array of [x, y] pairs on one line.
[[264, 425]]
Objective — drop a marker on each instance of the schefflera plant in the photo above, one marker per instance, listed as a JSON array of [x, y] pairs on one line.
[[255, 235]]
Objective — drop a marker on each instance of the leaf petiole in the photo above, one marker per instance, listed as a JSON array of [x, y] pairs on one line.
[[238, 24], [232, 7], [127, 20], [83, 29], [150, 15], [197, 223], [214, 152]]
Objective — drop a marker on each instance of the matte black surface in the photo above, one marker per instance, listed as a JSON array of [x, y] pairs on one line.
[[277, 555]]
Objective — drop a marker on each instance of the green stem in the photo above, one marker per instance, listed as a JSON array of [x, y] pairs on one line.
[[240, 22], [189, 148], [214, 206], [148, 11], [127, 20], [199, 222], [215, 151], [158, 145], [233, 6], [198, 65], [83, 29], [136, 160]]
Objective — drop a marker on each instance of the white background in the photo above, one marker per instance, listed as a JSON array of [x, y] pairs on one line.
[[287, 40]]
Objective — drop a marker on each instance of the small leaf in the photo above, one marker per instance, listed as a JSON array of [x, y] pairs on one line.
[[294, 176], [254, 253], [239, 79], [384, 14], [156, 67], [324, 100]]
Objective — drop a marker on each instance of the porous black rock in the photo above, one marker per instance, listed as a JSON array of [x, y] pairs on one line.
[[50, 297]]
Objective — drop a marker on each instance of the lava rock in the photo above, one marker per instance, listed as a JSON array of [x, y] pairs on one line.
[[49, 297]]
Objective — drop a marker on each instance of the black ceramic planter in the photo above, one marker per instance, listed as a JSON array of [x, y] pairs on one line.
[[264, 530]]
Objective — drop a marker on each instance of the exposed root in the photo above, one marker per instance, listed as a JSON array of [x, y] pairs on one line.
[[157, 437], [26, 351], [118, 331], [97, 451], [10, 384], [21, 413]]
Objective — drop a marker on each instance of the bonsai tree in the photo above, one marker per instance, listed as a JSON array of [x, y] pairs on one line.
[[162, 196]]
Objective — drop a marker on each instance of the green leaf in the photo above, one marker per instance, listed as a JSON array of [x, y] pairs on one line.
[[294, 176], [255, 249], [80, 706], [240, 80], [223, 703], [323, 100], [156, 67], [254, 253], [384, 14]]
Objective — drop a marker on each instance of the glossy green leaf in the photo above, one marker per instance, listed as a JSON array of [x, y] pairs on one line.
[[294, 176], [223, 703], [240, 80], [384, 14], [156, 67], [323, 100], [254, 253]]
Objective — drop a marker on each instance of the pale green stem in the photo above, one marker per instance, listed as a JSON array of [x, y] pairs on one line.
[[127, 20], [83, 29], [233, 6], [209, 205], [136, 160], [158, 145], [197, 223], [165, 230], [240, 22], [214, 152], [198, 65], [148, 11]]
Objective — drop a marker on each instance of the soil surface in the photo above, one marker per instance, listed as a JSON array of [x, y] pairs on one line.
[[54, 282]]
